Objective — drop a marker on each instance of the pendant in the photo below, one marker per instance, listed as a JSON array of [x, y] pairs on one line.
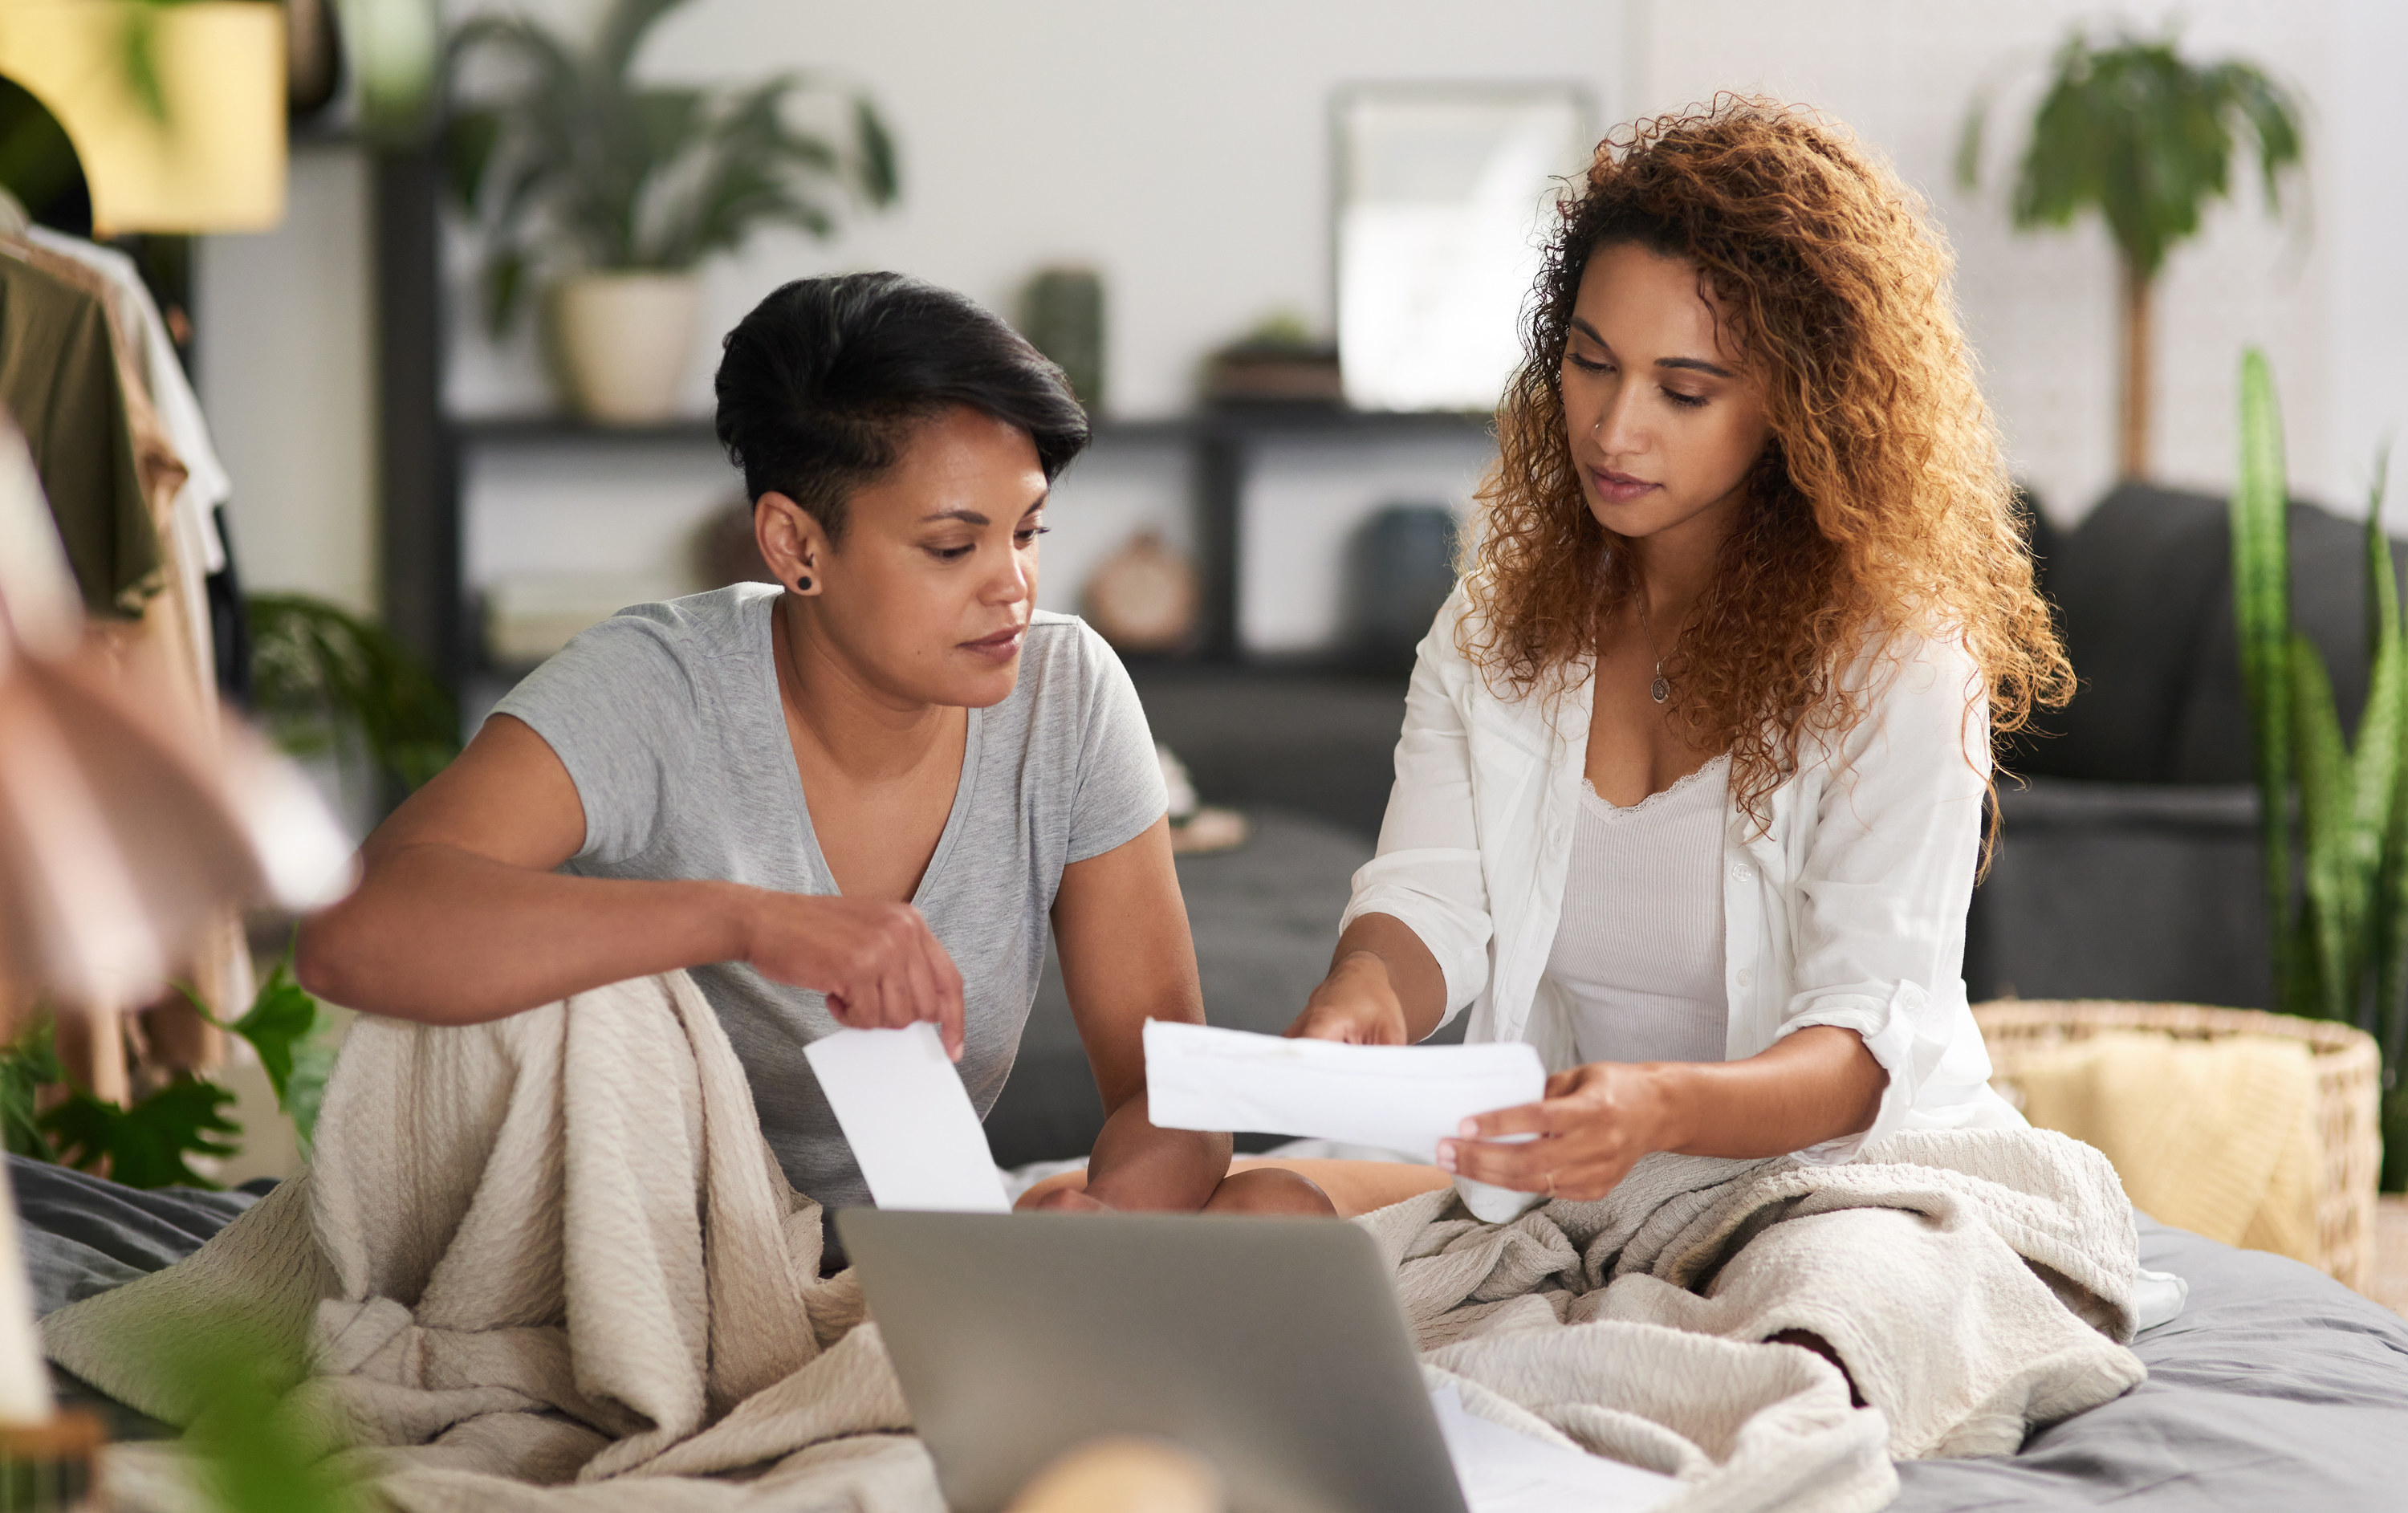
[[1659, 690]]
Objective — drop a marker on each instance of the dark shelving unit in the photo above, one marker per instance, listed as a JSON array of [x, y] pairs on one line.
[[421, 449]]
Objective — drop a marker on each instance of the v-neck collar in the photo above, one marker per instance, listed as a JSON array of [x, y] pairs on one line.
[[815, 861]]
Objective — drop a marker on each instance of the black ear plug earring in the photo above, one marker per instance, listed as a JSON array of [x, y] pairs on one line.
[[802, 585]]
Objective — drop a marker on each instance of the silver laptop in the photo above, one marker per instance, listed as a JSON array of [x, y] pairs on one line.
[[1271, 1347]]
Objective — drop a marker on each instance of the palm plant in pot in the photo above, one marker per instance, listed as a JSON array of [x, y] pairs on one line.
[[2147, 139], [612, 191]]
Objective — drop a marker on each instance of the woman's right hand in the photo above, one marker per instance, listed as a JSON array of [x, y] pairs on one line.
[[1357, 1003], [879, 963]]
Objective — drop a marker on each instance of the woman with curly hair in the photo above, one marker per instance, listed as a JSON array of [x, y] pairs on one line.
[[1690, 788]]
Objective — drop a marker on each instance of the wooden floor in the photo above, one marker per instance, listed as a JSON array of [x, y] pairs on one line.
[[2391, 1253]]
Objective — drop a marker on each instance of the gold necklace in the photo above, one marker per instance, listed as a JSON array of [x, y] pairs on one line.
[[1661, 689]]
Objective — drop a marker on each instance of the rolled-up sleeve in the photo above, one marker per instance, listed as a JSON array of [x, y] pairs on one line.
[[1427, 871], [1881, 894]]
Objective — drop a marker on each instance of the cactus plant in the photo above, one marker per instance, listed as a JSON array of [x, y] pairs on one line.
[[2339, 938]]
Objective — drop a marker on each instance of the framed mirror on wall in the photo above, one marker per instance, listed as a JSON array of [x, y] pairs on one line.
[[1443, 198]]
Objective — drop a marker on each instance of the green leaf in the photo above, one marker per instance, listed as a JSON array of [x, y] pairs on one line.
[[1969, 141], [882, 174], [317, 670], [304, 1094], [2261, 573], [2131, 130], [253, 1445], [597, 172], [2377, 763], [279, 1018], [26, 1067], [2390, 946], [2327, 838], [469, 138], [2382, 580], [504, 283], [145, 1146], [138, 59], [623, 29], [295, 1041]]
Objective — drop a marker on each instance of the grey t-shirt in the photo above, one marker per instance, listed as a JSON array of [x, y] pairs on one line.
[[668, 720]]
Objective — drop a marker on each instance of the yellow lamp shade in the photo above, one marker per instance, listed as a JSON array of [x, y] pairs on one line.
[[213, 158]]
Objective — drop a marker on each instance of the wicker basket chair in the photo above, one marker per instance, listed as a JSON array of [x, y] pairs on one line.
[[2349, 1072]]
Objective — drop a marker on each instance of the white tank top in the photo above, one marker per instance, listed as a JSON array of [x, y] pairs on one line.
[[1639, 950]]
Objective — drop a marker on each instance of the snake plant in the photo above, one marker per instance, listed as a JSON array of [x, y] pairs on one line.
[[2340, 936]]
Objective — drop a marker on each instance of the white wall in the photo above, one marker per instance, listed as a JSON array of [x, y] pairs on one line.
[[2042, 307], [1184, 152], [287, 377], [2365, 212]]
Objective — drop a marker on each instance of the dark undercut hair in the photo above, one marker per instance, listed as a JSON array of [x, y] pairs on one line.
[[823, 381]]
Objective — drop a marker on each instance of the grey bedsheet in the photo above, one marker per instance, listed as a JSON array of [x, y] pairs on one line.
[[2277, 1388]]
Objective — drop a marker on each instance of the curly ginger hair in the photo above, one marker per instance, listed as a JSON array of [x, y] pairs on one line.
[[1882, 503]]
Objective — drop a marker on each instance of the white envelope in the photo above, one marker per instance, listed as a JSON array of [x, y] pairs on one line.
[[1402, 1098], [909, 1119]]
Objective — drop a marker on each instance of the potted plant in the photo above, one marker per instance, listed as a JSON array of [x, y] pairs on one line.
[[613, 191], [2144, 137], [2340, 935]]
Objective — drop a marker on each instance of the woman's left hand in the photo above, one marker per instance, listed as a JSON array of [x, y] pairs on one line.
[[1595, 1124]]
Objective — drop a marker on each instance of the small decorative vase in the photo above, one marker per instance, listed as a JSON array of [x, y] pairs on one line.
[[1062, 314], [622, 342], [1143, 597]]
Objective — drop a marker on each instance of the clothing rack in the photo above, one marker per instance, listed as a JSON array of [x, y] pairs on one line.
[[90, 374]]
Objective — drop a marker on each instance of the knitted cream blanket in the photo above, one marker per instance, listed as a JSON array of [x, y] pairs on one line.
[[2218, 1138], [550, 1264]]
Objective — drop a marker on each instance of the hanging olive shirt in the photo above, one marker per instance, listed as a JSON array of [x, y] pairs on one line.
[[59, 381]]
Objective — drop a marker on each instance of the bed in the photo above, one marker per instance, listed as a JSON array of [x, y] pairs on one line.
[[2277, 1388]]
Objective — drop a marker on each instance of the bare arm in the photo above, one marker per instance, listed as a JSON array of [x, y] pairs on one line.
[[460, 917], [1120, 928], [1383, 989], [1817, 1084]]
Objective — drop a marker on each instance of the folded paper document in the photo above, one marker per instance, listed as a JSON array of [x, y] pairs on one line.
[[1402, 1098], [909, 1119]]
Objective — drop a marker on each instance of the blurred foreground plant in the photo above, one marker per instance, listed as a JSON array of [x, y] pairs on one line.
[[2340, 939], [252, 1449]]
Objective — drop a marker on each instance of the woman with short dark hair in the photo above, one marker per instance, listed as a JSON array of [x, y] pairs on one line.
[[853, 799]]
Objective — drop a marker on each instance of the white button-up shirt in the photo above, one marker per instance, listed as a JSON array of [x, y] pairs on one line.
[[1846, 909]]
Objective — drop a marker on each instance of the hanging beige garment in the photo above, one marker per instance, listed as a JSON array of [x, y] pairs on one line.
[[170, 637]]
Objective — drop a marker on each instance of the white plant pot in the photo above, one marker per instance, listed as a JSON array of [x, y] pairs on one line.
[[622, 342]]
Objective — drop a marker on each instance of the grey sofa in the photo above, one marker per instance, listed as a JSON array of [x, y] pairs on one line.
[[2128, 861]]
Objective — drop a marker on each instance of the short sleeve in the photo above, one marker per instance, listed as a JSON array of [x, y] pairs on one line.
[[1120, 790], [618, 707]]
